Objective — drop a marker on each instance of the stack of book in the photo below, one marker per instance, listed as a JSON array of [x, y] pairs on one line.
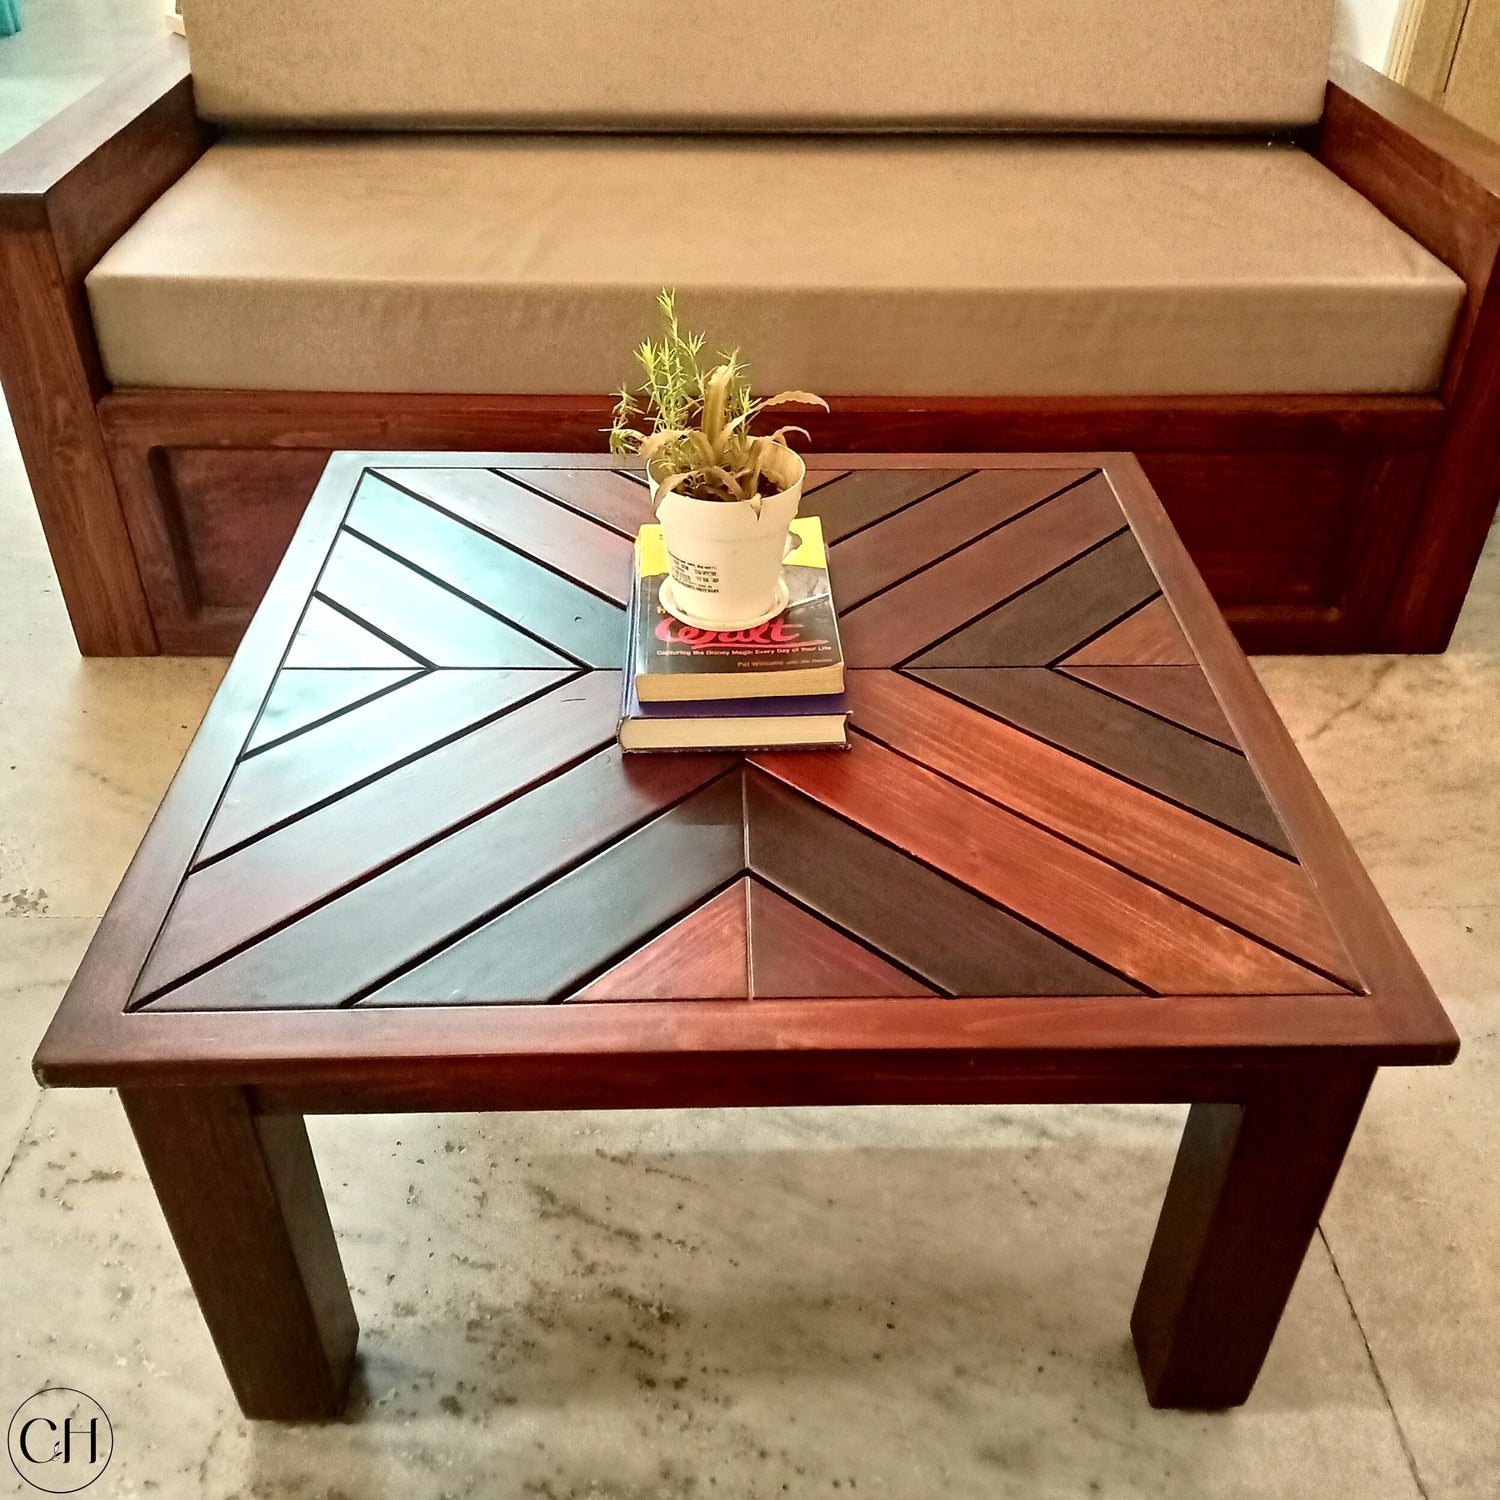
[[777, 686]]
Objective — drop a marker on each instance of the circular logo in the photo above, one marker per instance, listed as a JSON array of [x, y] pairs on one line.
[[60, 1440]]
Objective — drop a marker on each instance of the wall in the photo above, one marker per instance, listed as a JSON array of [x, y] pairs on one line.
[[1364, 27]]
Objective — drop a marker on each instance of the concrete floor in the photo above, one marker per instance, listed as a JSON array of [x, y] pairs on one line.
[[884, 1302]]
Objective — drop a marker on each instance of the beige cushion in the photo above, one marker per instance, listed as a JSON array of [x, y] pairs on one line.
[[942, 266], [770, 64]]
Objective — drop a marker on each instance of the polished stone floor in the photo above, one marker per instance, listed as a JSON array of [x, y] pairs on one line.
[[748, 1304]]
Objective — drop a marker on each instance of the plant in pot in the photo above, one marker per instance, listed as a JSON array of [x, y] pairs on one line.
[[725, 496]]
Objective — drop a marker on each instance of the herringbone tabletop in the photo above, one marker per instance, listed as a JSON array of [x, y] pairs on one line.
[[1044, 795]]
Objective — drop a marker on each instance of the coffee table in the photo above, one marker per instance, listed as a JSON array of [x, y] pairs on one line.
[[1072, 856]]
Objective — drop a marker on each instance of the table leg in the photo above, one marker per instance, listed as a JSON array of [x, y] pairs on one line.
[[241, 1196], [1250, 1181]]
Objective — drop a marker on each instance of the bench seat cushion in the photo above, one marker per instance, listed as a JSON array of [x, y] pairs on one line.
[[941, 266]]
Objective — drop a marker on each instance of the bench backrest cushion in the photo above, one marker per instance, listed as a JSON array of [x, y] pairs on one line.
[[1138, 65]]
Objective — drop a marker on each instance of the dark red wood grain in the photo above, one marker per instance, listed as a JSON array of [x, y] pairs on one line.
[[1250, 886], [910, 617], [705, 954], [404, 867], [1440, 181], [241, 1196], [1085, 599], [954, 514], [1136, 746], [865, 496], [954, 939], [68, 191], [1181, 694], [1234, 1231], [1139, 931], [1147, 637], [298, 866], [1296, 508], [793, 952], [289, 882]]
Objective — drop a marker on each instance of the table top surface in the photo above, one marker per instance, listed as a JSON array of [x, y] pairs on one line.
[[1069, 821]]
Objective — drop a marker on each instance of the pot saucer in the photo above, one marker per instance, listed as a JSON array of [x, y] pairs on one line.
[[669, 602]]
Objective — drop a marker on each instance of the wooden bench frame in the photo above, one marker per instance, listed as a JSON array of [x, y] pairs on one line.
[[1322, 523]]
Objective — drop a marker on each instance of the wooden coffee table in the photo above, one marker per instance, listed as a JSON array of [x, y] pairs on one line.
[[1072, 856]]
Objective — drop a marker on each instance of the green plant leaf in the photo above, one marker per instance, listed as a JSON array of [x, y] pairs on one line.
[[695, 433]]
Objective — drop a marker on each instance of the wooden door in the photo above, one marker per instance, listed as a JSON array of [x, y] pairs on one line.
[[1449, 52]]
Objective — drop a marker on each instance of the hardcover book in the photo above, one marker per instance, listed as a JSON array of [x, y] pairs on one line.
[[734, 723], [796, 654]]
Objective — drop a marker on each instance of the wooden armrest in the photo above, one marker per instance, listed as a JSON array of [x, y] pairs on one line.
[[68, 191], [1440, 182], [85, 176], [1424, 170]]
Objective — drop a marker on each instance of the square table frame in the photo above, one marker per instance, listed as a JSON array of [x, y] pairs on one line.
[[217, 1099]]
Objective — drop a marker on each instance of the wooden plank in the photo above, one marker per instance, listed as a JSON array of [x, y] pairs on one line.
[[1402, 997], [958, 942], [944, 597], [539, 599], [48, 365], [531, 436], [94, 1014], [1150, 637], [392, 919], [549, 944], [705, 956], [233, 514], [1052, 617], [1203, 776], [312, 768], [1228, 876], [817, 478], [1294, 507], [496, 504], [880, 555], [1181, 694], [795, 953], [270, 881], [865, 496], [605, 495], [328, 638], [429, 621], [300, 700], [1098, 909]]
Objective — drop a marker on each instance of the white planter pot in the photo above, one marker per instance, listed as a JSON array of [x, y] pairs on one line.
[[725, 558]]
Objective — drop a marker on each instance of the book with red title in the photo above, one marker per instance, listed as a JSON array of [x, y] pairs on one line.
[[796, 654]]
